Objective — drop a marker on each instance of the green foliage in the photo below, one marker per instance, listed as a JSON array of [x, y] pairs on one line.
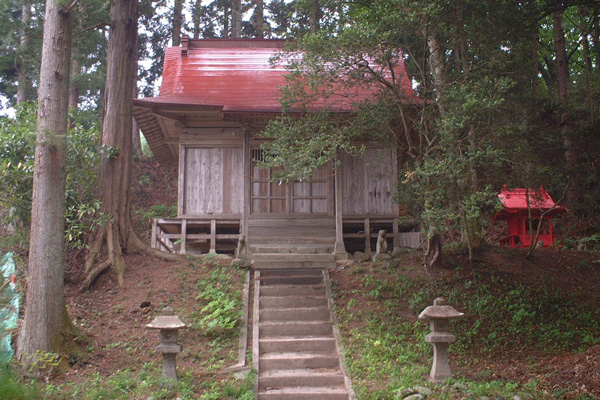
[[160, 211], [17, 137], [14, 388], [126, 384], [222, 306], [502, 313]]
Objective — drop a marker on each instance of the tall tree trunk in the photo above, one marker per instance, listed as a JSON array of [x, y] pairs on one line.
[[588, 64], [177, 23], [260, 19], [562, 72], [24, 88], [75, 90], [226, 15], [44, 320], [115, 167], [535, 68], [118, 235], [314, 16], [196, 18], [236, 19]]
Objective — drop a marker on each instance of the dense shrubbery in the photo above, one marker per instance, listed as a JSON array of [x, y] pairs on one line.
[[17, 146]]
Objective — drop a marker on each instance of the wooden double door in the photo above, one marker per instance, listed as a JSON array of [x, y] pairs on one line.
[[313, 196]]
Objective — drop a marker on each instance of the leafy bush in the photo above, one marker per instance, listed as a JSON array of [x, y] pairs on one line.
[[17, 148], [222, 308], [11, 387]]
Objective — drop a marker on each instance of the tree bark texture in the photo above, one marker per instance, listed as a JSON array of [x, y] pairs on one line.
[[44, 318], [24, 88], [196, 18], [260, 19], [117, 235], [115, 167], [562, 71], [177, 22], [236, 19]]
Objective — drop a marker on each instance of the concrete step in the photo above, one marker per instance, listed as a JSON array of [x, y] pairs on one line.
[[291, 280], [295, 329], [292, 257], [291, 272], [292, 301], [304, 393], [295, 314], [298, 360], [299, 344], [275, 379], [296, 290], [294, 240], [290, 247]]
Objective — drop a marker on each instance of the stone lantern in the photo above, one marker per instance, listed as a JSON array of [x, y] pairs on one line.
[[168, 326], [439, 316]]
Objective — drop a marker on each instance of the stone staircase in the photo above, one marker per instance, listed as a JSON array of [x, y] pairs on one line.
[[300, 243], [296, 349]]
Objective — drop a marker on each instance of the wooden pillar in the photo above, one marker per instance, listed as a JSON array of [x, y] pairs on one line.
[[396, 230], [213, 236], [367, 229], [247, 184], [154, 233], [181, 186], [182, 250], [339, 250]]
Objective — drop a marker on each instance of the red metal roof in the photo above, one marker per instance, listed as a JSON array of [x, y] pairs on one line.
[[515, 201], [236, 74]]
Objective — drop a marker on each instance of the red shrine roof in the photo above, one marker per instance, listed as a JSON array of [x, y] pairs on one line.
[[236, 74], [230, 80], [514, 201]]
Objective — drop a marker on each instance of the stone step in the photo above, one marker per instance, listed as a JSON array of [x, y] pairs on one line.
[[292, 261], [270, 302], [290, 247], [271, 329], [291, 272], [298, 360], [293, 240], [295, 314], [292, 257], [291, 280], [275, 379], [296, 290], [298, 344], [304, 393]]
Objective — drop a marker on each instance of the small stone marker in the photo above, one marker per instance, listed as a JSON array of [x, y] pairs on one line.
[[241, 253], [439, 316], [381, 248], [168, 326]]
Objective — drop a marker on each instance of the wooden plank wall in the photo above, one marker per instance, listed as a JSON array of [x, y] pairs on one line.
[[213, 181], [368, 182]]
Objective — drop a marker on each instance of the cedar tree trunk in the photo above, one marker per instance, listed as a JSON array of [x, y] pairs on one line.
[[24, 88], [44, 324], [117, 235], [177, 23]]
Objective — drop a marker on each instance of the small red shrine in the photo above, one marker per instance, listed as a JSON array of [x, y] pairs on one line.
[[515, 212]]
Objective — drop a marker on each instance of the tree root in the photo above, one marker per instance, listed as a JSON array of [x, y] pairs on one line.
[[110, 238]]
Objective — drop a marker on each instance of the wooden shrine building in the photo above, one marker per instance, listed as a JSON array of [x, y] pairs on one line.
[[217, 95]]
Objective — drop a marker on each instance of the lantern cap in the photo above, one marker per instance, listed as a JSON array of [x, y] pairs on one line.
[[167, 321], [440, 310]]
